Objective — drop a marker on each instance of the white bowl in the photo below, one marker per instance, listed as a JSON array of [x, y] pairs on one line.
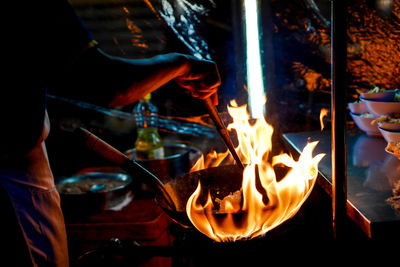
[[380, 96], [364, 123], [357, 108], [390, 126], [390, 136], [378, 108]]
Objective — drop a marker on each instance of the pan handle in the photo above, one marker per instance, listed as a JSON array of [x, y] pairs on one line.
[[113, 155]]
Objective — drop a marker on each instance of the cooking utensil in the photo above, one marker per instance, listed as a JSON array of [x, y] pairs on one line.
[[176, 161], [93, 191], [172, 196], [132, 167], [212, 111]]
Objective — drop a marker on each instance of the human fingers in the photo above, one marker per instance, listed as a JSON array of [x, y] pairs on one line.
[[200, 84], [204, 70], [214, 99], [197, 88]]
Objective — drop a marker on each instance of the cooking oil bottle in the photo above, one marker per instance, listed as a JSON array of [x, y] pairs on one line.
[[148, 144]]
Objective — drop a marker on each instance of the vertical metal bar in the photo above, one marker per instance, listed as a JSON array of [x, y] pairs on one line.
[[338, 103]]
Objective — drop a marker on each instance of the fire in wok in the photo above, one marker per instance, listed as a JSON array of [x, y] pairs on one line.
[[228, 204]]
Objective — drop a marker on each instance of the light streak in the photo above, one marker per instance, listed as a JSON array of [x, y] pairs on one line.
[[255, 83]]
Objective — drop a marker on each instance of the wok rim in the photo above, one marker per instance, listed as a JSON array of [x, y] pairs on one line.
[[92, 175], [188, 149]]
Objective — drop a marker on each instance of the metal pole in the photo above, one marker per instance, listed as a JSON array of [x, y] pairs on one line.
[[338, 104]]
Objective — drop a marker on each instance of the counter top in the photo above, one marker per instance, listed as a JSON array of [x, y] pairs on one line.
[[371, 175]]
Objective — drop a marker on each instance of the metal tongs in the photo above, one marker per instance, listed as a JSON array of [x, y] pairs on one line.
[[223, 132]]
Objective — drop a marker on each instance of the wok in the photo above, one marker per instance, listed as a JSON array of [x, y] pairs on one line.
[[219, 181], [84, 192], [172, 197]]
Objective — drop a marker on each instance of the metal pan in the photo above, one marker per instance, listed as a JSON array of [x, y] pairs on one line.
[[93, 191], [176, 162]]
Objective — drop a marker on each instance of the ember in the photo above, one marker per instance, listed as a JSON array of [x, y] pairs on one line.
[[261, 211]]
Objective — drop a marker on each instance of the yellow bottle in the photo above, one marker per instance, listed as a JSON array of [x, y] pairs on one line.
[[148, 144]]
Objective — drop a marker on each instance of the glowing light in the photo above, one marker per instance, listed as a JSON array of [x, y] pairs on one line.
[[255, 83], [260, 210]]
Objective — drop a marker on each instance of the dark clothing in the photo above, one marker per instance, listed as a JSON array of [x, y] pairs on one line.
[[43, 39]]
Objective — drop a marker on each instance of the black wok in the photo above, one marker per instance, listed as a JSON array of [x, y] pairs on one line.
[[219, 181]]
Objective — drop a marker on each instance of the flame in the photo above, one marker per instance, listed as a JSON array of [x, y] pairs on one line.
[[258, 212], [324, 112]]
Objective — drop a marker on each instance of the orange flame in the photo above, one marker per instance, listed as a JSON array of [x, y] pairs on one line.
[[324, 112], [258, 214]]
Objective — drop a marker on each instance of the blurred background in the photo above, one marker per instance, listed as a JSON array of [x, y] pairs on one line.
[[295, 61]]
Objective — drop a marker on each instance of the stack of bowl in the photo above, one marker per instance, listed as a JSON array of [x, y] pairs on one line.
[[363, 118], [373, 106], [390, 130], [383, 107], [381, 104]]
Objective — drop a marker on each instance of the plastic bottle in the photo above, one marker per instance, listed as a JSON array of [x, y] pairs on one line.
[[148, 144]]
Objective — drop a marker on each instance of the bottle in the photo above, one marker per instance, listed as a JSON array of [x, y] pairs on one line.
[[148, 144]]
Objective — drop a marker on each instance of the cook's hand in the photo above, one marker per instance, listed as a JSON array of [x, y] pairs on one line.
[[200, 77]]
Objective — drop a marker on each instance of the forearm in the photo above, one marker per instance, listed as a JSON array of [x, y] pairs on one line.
[[113, 81], [103, 79], [145, 76]]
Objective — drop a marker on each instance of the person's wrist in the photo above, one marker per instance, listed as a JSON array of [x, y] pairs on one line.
[[181, 63]]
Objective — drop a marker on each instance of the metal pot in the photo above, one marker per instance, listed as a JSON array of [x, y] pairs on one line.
[[93, 191], [177, 161]]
